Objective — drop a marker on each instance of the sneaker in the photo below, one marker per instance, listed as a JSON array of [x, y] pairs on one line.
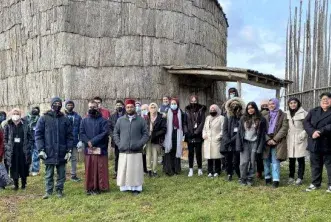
[[249, 182], [275, 184], [267, 182], [59, 194], [135, 193], [290, 181], [190, 173], [329, 189], [200, 173], [298, 182], [210, 175], [75, 179], [89, 193], [150, 173], [46, 196], [34, 174], [215, 174], [312, 187], [229, 178], [155, 174], [115, 176], [243, 183]]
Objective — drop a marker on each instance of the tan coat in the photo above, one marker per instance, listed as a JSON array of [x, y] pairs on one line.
[[212, 134], [297, 138], [279, 137]]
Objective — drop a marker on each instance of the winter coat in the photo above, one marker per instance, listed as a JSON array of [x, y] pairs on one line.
[[95, 130], [2, 148], [261, 134], [9, 142], [318, 120], [231, 126], [131, 136], [213, 132], [32, 123], [194, 118], [279, 137], [297, 138], [112, 122], [75, 120], [54, 136], [159, 128]]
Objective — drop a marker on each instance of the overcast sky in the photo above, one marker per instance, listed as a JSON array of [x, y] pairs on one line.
[[257, 39]]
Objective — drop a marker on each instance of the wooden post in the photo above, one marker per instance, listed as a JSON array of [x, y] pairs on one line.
[[278, 93], [239, 88]]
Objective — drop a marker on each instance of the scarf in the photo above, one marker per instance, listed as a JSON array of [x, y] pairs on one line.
[[273, 114], [175, 120], [170, 127]]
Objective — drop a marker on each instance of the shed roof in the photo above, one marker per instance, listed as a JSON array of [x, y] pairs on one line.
[[229, 74]]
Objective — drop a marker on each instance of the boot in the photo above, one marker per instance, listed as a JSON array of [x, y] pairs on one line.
[[23, 183], [15, 184]]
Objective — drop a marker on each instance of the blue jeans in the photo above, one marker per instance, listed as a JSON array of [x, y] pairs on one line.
[[49, 177], [272, 166], [35, 166]]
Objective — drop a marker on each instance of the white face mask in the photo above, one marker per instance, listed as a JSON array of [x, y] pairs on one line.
[[16, 117], [232, 95]]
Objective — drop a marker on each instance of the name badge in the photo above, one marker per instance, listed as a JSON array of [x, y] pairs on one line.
[[34, 128], [17, 140], [235, 129], [195, 125]]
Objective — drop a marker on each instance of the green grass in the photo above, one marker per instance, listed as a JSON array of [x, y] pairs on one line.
[[177, 198]]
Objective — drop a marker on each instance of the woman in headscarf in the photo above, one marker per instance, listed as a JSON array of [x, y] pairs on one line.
[[276, 149], [18, 145], [212, 134], [250, 141], [296, 140], [143, 111], [173, 139]]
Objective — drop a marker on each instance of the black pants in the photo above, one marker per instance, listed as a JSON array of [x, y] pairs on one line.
[[301, 167], [214, 166], [197, 147], [317, 160], [23, 180], [232, 163], [144, 163], [117, 154], [259, 163]]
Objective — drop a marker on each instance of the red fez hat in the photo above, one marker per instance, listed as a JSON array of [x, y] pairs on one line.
[[129, 102]]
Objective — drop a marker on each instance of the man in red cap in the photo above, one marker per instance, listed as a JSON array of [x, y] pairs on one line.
[[130, 135]]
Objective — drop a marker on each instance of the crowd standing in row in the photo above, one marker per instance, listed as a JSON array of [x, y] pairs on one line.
[[241, 139]]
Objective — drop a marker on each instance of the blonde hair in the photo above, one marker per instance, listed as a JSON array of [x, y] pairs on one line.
[[153, 104], [15, 110]]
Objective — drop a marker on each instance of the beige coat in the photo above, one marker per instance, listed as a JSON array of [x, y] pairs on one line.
[[212, 134], [297, 138]]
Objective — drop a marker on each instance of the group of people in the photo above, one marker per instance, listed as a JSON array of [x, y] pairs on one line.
[[240, 139]]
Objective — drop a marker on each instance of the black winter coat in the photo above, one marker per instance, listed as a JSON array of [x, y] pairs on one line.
[[228, 143], [318, 120], [193, 134], [159, 129], [261, 135], [54, 136]]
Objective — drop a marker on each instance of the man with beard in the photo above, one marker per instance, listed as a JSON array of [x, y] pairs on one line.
[[75, 120], [54, 142], [94, 133], [130, 135], [120, 111]]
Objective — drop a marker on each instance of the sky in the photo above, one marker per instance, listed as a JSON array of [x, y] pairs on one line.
[[257, 40]]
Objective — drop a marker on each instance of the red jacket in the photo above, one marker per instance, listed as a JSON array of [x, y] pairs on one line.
[[105, 113], [2, 148]]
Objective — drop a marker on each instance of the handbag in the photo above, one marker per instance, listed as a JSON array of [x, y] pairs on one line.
[[5, 180]]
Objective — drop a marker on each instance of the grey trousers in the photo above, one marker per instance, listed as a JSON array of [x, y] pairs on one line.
[[247, 160], [74, 158]]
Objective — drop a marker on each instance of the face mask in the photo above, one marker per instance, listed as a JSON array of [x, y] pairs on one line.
[[138, 108], [266, 109], [144, 112], [193, 104], [56, 108], [70, 109], [35, 112], [232, 95], [119, 109], [92, 112], [173, 107], [213, 114], [16, 117]]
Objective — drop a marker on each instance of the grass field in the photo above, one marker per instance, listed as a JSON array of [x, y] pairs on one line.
[[178, 198]]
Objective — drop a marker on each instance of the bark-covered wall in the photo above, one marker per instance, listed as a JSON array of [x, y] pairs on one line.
[[110, 48]]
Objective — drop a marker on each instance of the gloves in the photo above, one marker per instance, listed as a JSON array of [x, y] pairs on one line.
[[67, 156], [42, 155], [80, 146]]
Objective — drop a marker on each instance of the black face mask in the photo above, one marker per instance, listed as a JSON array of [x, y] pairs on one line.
[[70, 109], [119, 109], [264, 109], [56, 108], [93, 112], [35, 112], [213, 114]]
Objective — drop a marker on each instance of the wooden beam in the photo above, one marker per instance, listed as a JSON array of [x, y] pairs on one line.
[[278, 93], [239, 88]]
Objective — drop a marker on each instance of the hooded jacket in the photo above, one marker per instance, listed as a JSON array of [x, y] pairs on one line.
[[194, 134], [231, 125]]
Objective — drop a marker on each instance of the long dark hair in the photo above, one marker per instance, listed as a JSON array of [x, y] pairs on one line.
[[255, 118]]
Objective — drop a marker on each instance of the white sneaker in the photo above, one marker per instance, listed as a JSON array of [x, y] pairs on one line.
[[298, 182], [210, 175], [190, 173], [329, 189], [216, 175], [200, 173], [34, 174], [311, 188]]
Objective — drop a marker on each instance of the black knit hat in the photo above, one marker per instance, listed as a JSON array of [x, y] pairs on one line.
[[56, 99], [69, 102]]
